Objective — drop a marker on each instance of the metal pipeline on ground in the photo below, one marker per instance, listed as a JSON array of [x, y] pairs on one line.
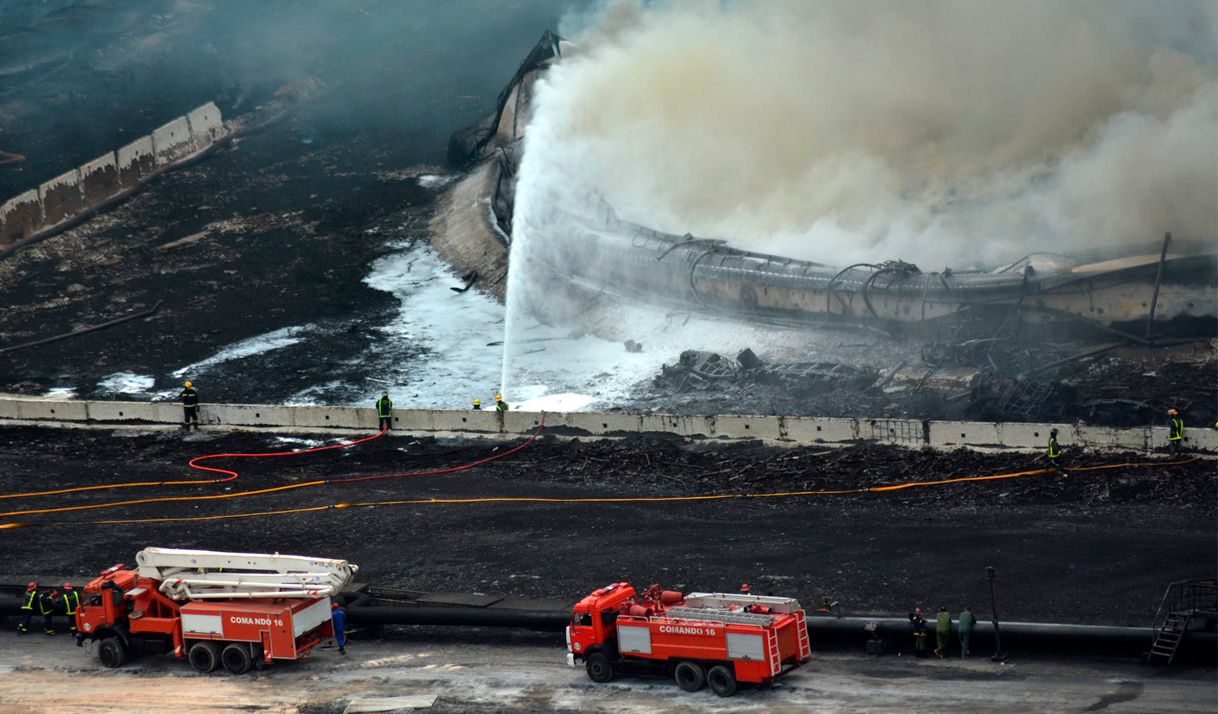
[[1026, 636], [825, 631]]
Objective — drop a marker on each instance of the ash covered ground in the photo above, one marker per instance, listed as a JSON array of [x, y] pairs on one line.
[[1094, 547]]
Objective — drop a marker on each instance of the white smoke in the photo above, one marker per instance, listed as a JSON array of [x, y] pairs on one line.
[[948, 132], [941, 132]]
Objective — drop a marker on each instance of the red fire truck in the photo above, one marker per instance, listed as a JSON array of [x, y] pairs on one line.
[[699, 639], [234, 610]]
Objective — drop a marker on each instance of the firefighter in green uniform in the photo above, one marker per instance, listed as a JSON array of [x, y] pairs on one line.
[[966, 631], [1176, 438], [500, 405], [384, 411], [27, 608], [71, 603], [1054, 452]]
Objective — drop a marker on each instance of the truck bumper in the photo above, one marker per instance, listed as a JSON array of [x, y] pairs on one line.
[[570, 659]]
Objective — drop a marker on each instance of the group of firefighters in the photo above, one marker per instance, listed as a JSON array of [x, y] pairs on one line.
[[1175, 440], [384, 407], [48, 603]]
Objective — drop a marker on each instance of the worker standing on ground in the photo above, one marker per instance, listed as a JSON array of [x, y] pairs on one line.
[[919, 632], [339, 616], [477, 405], [384, 411], [27, 608], [943, 631], [190, 406], [966, 631], [46, 605], [71, 603], [1175, 438], [1055, 453]]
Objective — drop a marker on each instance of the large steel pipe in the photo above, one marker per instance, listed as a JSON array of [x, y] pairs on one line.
[[460, 616], [1054, 636]]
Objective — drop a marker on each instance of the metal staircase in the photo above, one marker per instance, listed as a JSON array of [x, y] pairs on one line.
[[1184, 603]]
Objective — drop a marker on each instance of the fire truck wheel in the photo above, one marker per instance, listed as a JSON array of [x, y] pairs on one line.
[[204, 656], [236, 658], [111, 652], [690, 676], [599, 668], [722, 680]]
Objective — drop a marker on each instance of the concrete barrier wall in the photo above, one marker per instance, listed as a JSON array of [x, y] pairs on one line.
[[172, 141], [99, 179], [61, 198], [135, 162], [943, 435], [205, 124], [95, 182], [20, 216]]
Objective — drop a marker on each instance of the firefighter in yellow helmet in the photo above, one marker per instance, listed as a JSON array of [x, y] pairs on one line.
[[500, 405], [190, 406], [478, 405]]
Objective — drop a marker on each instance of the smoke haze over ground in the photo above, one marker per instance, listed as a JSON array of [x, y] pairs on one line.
[[941, 133]]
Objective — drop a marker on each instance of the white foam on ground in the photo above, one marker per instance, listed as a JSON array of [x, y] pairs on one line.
[[274, 340], [126, 383], [556, 370], [452, 328], [433, 181], [565, 402]]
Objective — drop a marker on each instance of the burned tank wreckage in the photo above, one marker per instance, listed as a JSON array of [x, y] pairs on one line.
[[1155, 291]]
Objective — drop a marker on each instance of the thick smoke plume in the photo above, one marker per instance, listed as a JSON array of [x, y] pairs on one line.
[[946, 132]]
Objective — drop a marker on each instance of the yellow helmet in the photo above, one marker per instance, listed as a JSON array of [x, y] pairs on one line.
[[499, 397], [188, 385], [477, 402]]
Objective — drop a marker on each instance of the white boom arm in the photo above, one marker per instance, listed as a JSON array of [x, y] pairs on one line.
[[206, 574]]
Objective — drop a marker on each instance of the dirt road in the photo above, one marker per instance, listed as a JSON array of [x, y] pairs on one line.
[[483, 671]]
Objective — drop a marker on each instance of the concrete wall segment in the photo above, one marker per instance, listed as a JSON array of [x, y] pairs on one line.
[[99, 178], [123, 411], [9, 408], [172, 141], [52, 410], [20, 216], [135, 160], [206, 125], [61, 198]]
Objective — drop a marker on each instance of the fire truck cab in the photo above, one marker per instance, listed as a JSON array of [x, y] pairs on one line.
[[699, 639]]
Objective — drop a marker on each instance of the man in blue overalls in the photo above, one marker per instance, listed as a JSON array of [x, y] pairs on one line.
[[339, 616]]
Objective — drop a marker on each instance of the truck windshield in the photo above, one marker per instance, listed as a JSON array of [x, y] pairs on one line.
[[582, 619]]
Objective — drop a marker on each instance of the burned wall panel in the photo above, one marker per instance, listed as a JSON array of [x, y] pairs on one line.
[[172, 142], [205, 125], [135, 162], [99, 179], [20, 216], [61, 198]]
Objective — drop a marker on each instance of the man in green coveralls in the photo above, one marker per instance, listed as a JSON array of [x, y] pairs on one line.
[[966, 630], [943, 630]]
